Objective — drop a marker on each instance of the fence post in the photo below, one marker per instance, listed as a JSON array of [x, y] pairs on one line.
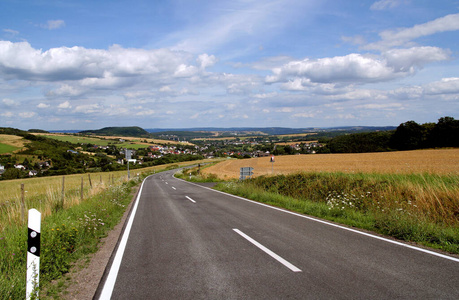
[[22, 203], [33, 254], [90, 182], [63, 191], [81, 193]]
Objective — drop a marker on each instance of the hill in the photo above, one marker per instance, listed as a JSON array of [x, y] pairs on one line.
[[118, 131]]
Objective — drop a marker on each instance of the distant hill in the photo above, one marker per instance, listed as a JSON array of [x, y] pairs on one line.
[[133, 131], [271, 130]]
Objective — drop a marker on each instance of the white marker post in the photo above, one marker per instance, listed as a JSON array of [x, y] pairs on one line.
[[33, 254]]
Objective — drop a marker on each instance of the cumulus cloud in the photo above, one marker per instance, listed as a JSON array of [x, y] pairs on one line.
[[43, 105], [22, 61], [405, 60], [86, 108], [205, 60], [403, 36], [64, 105], [53, 24], [349, 68], [355, 68], [444, 86]]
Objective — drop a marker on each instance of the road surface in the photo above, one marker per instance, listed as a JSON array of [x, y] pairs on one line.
[[184, 241]]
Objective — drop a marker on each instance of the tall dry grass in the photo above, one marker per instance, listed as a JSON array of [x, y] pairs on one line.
[[438, 161]]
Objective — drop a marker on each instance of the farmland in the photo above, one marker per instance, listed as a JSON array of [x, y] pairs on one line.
[[438, 161], [129, 142], [10, 143], [409, 195]]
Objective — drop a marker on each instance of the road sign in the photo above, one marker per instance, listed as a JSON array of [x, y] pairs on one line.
[[246, 172], [128, 154]]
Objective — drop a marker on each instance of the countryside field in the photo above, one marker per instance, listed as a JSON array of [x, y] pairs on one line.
[[45, 192], [131, 142], [10, 143], [438, 161]]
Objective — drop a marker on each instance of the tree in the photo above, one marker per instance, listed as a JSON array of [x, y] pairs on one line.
[[445, 133], [407, 136], [12, 173]]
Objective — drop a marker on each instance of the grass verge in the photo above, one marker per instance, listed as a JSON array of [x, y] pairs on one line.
[[418, 208], [66, 236]]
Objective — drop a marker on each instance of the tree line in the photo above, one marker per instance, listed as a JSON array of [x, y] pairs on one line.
[[408, 136]]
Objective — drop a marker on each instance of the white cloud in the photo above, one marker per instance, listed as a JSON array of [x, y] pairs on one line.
[[354, 68], [444, 86], [405, 60], [381, 106], [43, 105], [165, 89], [386, 4], [27, 115], [9, 102], [7, 114], [65, 90], [53, 24], [115, 65], [403, 36], [87, 108], [304, 115], [205, 60], [64, 105], [350, 68], [147, 112], [11, 31]]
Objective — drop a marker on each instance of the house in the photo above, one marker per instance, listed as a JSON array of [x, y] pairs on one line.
[[21, 167], [72, 151], [33, 173]]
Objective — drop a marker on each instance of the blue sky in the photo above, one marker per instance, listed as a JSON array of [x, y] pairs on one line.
[[261, 63]]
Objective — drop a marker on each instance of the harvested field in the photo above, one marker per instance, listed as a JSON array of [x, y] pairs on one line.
[[12, 140], [437, 161]]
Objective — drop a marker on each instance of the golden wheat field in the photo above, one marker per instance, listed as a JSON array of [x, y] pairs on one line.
[[437, 161]]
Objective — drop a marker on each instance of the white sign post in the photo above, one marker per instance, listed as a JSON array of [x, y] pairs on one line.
[[128, 158], [272, 164], [33, 254]]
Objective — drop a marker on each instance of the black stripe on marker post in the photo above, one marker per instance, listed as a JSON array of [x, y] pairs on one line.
[[33, 242]]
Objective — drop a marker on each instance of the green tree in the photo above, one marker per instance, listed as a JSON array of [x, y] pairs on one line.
[[408, 136]]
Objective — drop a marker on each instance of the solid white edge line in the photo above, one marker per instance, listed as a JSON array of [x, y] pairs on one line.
[[269, 252], [190, 199], [174, 188], [113, 274], [332, 224]]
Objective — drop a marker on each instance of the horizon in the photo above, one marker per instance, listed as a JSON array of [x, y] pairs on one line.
[[260, 64]]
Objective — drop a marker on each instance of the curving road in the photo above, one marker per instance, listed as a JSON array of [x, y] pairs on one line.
[[185, 241]]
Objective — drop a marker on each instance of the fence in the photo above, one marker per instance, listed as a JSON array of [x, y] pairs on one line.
[[48, 194]]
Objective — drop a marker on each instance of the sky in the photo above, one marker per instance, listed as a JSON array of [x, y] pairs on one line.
[[75, 65]]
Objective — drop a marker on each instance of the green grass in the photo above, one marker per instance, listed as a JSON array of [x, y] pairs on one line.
[[96, 141], [7, 148], [81, 139], [67, 235], [419, 208]]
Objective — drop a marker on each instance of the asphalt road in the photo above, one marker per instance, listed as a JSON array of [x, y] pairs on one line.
[[184, 241]]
